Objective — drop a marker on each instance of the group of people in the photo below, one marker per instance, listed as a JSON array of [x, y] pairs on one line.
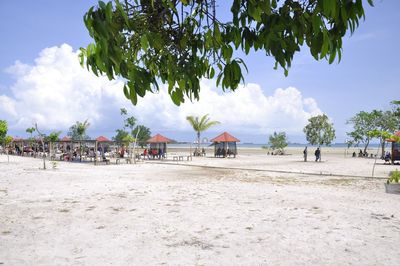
[[153, 153], [317, 154], [198, 152], [224, 153]]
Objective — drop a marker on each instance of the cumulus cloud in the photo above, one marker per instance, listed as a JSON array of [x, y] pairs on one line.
[[246, 110], [56, 91]]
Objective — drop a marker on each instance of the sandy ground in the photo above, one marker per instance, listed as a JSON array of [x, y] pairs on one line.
[[184, 213]]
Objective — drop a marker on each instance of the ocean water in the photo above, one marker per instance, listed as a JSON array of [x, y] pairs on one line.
[[258, 145]]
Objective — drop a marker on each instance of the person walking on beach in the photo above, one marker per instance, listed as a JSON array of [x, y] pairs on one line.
[[305, 154], [317, 155]]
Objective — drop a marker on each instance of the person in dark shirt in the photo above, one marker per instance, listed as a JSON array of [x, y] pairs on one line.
[[317, 155]]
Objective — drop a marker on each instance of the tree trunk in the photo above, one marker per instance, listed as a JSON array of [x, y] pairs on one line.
[[383, 148], [366, 146], [198, 141], [44, 156], [80, 150]]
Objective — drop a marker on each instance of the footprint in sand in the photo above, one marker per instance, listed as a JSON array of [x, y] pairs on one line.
[[90, 208], [116, 209]]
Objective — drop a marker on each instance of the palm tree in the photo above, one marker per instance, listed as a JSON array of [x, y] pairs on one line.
[[30, 130], [81, 132], [200, 124], [31, 141], [81, 128]]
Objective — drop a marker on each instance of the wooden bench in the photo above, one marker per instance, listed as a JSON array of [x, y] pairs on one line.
[[107, 161], [177, 158], [181, 158], [127, 160]]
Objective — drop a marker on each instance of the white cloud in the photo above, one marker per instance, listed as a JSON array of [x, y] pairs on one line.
[[246, 110], [56, 91]]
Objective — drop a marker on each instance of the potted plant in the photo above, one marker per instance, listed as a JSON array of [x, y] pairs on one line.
[[393, 183]]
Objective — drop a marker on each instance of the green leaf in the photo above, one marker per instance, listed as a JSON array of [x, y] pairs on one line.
[[212, 73], [109, 12], [126, 92], [148, 42], [325, 45], [132, 93], [144, 42], [332, 56], [177, 96]]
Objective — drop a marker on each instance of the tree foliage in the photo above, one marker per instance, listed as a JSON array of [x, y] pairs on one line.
[[30, 130], [143, 134], [396, 111], [363, 123], [128, 133], [200, 124], [319, 131], [278, 141], [375, 124], [8, 140], [3, 130], [53, 136], [178, 42], [121, 136], [78, 130]]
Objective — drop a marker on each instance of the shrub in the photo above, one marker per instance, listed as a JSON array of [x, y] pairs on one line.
[[394, 177]]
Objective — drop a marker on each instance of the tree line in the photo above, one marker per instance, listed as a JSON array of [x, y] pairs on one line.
[[376, 124]]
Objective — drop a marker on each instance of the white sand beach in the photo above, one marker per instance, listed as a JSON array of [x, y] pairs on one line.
[[169, 213]]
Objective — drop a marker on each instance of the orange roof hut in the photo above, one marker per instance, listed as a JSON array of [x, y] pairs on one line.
[[395, 156], [158, 143], [66, 139], [159, 139], [102, 139], [225, 145]]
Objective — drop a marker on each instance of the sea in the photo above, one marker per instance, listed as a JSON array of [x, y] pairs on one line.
[[259, 146]]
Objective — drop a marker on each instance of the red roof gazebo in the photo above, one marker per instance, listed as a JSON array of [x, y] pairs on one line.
[[102, 139], [158, 143], [66, 139], [225, 145], [159, 139], [395, 147], [17, 139]]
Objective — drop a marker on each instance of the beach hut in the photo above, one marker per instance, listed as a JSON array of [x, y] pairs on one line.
[[225, 145], [66, 139], [395, 155], [17, 145], [102, 144], [102, 139], [157, 143]]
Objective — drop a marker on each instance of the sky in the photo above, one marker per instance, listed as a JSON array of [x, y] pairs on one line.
[[42, 82]]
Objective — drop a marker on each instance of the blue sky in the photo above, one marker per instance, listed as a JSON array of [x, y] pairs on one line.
[[367, 78]]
